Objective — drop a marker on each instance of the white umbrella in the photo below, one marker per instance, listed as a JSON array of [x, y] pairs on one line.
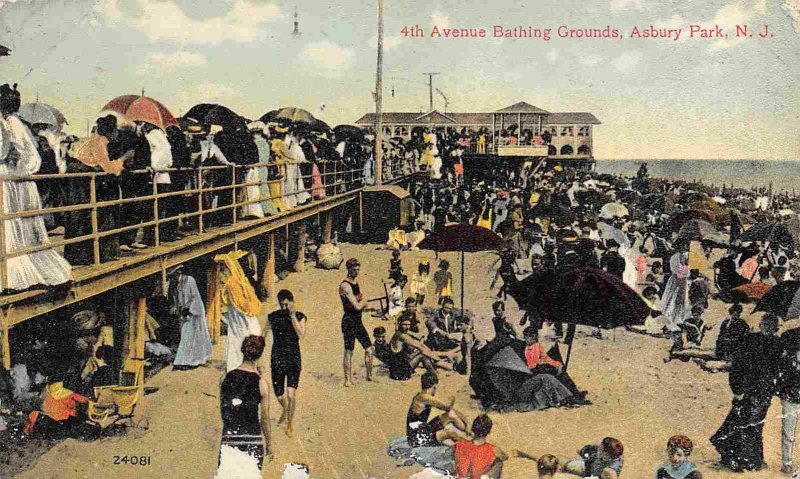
[[611, 210]]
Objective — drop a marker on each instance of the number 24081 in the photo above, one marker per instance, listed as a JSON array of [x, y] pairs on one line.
[[132, 460]]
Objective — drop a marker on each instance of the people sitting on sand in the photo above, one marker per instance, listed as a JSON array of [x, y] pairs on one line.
[[602, 460], [447, 428], [444, 332], [477, 459], [502, 327], [539, 362], [60, 415], [679, 448], [406, 353], [411, 313], [731, 331], [546, 466]]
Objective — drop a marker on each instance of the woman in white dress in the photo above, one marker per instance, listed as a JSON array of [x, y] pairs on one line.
[[18, 156], [195, 346]]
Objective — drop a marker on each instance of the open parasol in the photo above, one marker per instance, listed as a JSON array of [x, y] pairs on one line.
[[35, 113], [463, 238], [142, 108]]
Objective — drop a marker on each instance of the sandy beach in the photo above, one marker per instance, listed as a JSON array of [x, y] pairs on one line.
[[343, 432]]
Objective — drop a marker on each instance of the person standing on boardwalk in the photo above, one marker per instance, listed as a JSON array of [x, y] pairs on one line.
[[353, 303], [288, 328]]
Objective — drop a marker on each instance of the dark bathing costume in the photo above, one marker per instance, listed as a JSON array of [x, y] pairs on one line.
[[352, 326]]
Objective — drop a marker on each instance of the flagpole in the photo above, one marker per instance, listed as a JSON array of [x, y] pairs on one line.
[[379, 101]]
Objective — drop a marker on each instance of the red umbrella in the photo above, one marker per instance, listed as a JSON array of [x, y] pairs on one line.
[[753, 291], [464, 238], [142, 108]]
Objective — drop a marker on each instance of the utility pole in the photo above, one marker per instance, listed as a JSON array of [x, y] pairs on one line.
[[379, 101], [430, 90]]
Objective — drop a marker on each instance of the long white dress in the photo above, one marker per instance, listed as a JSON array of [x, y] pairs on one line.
[[195, 346], [18, 156], [294, 180], [675, 300], [240, 326]]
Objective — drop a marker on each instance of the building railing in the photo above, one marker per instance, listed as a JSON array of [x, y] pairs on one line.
[[333, 180]]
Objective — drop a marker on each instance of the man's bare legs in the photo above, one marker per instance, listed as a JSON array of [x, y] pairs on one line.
[[347, 365], [291, 401], [454, 428], [284, 408]]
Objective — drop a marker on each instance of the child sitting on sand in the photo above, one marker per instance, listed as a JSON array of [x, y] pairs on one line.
[[395, 268], [678, 450]]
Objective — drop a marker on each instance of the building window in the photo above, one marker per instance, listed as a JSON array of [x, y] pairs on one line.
[[552, 150], [404, 131], [566, 131], [583, 131], [584, 150], [566, 150], [553, 130]]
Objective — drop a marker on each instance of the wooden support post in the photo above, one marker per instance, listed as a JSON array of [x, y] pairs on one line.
[[155, 212], [6, 344], [233, 193], [199, 180], [286, 242], [328, 229], [212, 284], [141, 313], [361, 212], [268, 278], [95, 222], [3, 247], [302, 237]]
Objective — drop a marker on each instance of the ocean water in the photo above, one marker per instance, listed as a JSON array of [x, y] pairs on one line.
[[784, 174]]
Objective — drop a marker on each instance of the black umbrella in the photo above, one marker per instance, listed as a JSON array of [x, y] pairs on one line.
[[507, 371], [779, 300], [213, 114], [696, 230], [770, 232], [557, 213], [348, 131]]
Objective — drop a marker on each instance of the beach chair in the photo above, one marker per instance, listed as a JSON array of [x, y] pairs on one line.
[[117, 403], [383, 303]]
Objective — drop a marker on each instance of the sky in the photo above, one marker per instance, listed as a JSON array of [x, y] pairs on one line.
[[722, 98]]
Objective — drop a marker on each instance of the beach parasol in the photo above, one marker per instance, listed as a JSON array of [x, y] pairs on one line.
[[782, 300], [608, 232], [35, 113], [679, 219], [697, 230], [92, 152], [613, 210], [507, 370], [291, 113], [772, 233], [142, 108], [581, 295], [558, 214], [214, 114], [463, 238], [347, 132]]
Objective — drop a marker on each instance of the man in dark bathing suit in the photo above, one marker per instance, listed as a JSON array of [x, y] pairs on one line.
[[353, 302], [451, 426], [288, 328]]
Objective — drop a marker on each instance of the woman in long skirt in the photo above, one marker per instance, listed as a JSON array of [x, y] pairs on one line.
[[18, 156], [195, 346]]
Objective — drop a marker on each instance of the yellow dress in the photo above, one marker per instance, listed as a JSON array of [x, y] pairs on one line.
[[430, 152], [485, 219], [277, 147]]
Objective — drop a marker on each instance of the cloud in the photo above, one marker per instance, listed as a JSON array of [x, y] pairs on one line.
[[621, 4], [552, 55], [169, 62], [328, 57], [109, 9], [4, 2], [590, 60], [737, 12], [389, 43], [792, 8], [440, 19], [627, 62], [164, 20]]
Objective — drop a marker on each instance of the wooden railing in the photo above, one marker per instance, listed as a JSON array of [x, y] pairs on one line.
[[334, 179]]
